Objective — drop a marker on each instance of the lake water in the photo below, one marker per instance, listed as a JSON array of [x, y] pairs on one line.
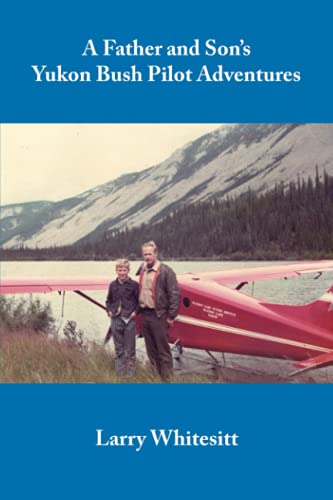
[[94, 322]]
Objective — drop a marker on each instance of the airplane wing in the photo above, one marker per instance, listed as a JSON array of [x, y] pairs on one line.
[[43, 285], [228, 276], [239, 275]]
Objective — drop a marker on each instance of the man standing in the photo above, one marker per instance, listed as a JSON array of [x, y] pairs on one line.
[[159, 297], [122, 306]]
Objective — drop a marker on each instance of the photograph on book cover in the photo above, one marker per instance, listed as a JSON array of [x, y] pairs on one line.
[[238, 218]]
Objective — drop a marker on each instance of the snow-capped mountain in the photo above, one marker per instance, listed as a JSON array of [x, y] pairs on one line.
[[229, 160]]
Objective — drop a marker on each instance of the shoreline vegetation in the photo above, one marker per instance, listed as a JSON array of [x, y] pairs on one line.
[[293, 222], [32, 352], [30, 357]]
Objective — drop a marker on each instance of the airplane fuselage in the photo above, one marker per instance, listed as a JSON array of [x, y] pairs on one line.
[[217, 318]]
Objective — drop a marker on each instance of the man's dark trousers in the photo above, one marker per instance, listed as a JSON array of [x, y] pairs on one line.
[[155, 333]]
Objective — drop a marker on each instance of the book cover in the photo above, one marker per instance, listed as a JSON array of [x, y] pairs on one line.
[[103, 64]]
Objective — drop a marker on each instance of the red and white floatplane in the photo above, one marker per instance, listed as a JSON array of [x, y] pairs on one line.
[[218, 318]]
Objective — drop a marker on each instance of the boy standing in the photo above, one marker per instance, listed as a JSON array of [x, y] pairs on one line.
[[122, 307]]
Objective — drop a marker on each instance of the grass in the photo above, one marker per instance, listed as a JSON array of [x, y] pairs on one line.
[[30, 353], [27, 357], [30, 357]]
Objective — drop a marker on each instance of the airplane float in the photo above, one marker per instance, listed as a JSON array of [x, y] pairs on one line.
[[217, 318]]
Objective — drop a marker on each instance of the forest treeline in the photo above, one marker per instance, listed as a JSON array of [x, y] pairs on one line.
[[293, 221]]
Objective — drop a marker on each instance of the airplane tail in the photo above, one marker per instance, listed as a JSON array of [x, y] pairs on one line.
[[319, 312]]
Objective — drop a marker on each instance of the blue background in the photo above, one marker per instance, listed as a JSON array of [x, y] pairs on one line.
[[47, 433], [48, 436]]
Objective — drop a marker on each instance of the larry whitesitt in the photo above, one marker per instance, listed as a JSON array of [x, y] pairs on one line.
[[166, 437]]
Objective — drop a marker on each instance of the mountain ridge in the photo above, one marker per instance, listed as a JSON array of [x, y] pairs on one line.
[[229, 160]]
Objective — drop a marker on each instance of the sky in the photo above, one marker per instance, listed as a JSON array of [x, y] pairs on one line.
[[57, 161]]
